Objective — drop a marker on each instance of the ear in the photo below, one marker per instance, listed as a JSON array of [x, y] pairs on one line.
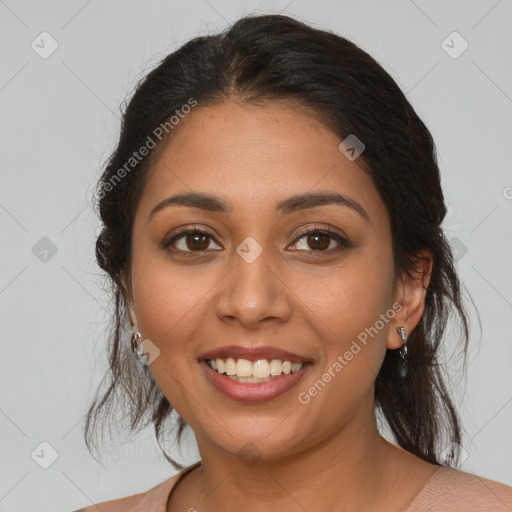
[[126, 290], [410, 292]]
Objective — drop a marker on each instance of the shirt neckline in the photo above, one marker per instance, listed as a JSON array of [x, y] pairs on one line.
[[185, 471], [418, 495]]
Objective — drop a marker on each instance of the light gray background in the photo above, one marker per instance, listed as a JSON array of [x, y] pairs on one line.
[[59, 121]]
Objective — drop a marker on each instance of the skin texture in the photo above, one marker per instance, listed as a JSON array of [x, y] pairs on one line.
[[313, 456]]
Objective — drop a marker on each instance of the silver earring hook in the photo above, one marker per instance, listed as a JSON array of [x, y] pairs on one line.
[[403, 348], [138, 350]]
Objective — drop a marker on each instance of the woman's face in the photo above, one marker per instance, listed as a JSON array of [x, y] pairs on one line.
[[256, 282]]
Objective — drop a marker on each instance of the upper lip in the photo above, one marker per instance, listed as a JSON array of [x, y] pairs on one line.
[[253, 353]]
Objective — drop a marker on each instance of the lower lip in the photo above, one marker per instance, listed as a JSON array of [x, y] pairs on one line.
[[248, 392]]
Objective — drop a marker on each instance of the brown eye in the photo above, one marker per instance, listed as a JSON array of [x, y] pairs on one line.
[[319, 240], [197, 241], [190, 240]]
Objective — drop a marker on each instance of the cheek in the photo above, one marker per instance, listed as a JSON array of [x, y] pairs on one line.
[[169, 300], [350, 315], [349, 301], [169, 304]]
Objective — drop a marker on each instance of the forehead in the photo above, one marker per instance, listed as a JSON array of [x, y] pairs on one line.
[[256, 155]]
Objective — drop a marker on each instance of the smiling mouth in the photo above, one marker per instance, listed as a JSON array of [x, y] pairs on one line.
[[257, 371]]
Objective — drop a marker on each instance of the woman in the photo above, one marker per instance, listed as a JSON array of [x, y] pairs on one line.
[[272, 230]]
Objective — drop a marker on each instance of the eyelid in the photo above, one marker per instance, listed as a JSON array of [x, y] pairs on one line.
[[325, 228], [176, 233], [339, 238]]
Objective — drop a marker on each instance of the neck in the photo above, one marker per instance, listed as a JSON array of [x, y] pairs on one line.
[[351, 465]]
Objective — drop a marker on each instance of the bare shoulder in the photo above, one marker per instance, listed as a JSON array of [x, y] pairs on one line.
[[454, 490], [152, 500], [118, 505]]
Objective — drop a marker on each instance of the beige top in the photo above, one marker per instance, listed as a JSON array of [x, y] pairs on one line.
[[448, 490]]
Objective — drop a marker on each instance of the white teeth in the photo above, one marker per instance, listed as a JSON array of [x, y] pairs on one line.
[[251, 380], [276, 367], [296, 367], [243, 368], [260, 370], [230, 366]]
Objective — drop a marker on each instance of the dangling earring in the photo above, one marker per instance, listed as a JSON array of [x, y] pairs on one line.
[[138, 350], [403, 351], [403, 348]]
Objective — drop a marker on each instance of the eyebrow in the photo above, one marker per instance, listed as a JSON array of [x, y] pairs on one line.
[[294, 203]]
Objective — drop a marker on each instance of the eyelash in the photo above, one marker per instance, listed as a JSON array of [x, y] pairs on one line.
[[342, 241]]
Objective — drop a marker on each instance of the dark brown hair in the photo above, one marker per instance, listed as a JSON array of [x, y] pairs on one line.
[[277, 58]]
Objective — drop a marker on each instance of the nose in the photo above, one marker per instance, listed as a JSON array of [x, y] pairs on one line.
[[253, 293]]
